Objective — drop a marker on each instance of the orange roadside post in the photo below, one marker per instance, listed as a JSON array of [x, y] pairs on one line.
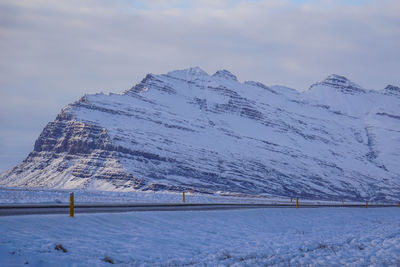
[[71, 205]]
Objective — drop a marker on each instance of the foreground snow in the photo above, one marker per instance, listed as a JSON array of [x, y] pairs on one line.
[[282, 237]]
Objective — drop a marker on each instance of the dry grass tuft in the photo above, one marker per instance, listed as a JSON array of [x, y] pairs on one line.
[[60, 247], [108, 259]]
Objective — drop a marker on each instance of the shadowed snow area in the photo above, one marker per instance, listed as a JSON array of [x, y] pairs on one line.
[[278, 237], [188, 130]]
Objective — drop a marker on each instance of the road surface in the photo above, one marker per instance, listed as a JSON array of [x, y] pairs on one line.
[[30, 209]]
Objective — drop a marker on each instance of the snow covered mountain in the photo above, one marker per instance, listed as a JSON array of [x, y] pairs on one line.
[[188, 130]]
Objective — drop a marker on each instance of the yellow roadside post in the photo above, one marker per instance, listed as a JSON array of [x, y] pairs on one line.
[[297, 203], [342, 201], [71, 205], [366, 204], [184, 198], [399, 204]]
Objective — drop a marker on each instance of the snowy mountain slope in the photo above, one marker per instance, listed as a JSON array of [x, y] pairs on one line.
[[187, 130]]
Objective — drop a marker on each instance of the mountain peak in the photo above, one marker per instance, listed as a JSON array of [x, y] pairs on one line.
[[341, 83], [142, 86], [391, 89], [336, 77], [225, 74], [189, 73]]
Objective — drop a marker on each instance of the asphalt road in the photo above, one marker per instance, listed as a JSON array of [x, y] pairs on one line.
[[24, 209]]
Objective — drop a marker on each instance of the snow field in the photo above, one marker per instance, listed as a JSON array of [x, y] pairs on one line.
[[49, 196], [277, 237], [30, 195]]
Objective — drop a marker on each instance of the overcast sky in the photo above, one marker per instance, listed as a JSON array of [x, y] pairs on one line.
[[53, 52]]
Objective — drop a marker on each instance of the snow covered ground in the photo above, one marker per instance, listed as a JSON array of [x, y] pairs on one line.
[[278, 237], [32, 195]]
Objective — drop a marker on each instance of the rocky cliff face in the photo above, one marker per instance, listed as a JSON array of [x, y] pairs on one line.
[[187, 130]]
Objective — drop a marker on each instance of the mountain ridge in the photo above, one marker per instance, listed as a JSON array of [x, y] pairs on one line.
[[188, 130]]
